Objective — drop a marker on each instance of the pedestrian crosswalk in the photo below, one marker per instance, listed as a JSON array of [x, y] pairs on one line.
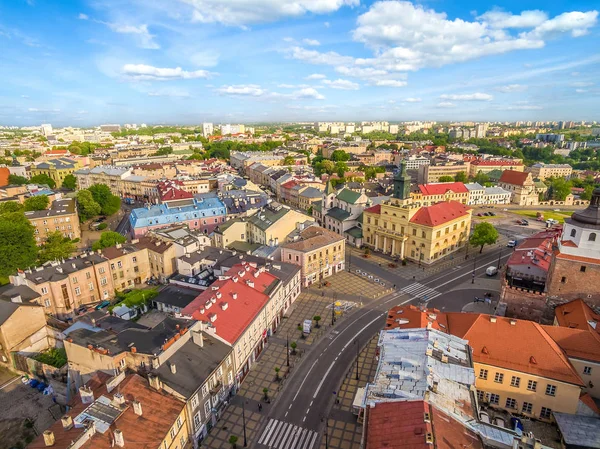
[[421, 291], [283, 435]]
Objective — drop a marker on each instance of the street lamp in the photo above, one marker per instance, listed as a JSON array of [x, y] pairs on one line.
[[474, 266], [326, 432], [287, 347], [333, 309], [357, 354], [499, 256], [244, 420]]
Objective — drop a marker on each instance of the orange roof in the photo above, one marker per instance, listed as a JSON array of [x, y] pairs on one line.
[[159, 413], [495, 163], [407, 317], [397, 425], [451, 434], [523, 346], [579, 344], [232, 304], [440, 213], [441, 188], [560, 255], [589, 401], [4, 174], [578, 315], [514, 177]]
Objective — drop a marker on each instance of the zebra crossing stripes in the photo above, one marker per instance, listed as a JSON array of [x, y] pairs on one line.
[[420, 291], [282, 435]]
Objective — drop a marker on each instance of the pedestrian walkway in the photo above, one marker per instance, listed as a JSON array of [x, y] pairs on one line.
[[421, 291], [281, 435]]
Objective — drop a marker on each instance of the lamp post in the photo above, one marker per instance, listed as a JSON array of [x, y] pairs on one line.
[[326, 432], [499, 256], [244, 420], [333, 309], [287, 347], [357, 354], [474, 266]]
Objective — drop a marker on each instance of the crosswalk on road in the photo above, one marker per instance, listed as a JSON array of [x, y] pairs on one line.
[[421, 291], [282, 435]]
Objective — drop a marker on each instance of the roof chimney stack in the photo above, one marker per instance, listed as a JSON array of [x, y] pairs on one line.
[[137, 408], [119, 440], [173, 368], [86, 394], [49, 438], [67, 422]]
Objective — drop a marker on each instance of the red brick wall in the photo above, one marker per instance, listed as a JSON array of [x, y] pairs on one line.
[[524, 304], [576, 284]]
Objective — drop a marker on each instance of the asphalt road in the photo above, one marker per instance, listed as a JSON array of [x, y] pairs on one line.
[[296, 418]]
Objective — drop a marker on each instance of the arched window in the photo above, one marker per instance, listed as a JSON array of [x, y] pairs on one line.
[[573, 232], [592, 237]]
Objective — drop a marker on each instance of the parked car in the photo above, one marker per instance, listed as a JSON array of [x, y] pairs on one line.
[[491, 271], [102, 305]]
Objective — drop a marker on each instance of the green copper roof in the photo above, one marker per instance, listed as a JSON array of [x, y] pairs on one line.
[[329, 188], [348, 196]]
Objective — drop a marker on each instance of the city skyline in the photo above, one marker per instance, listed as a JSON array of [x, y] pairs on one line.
[[264, 61]]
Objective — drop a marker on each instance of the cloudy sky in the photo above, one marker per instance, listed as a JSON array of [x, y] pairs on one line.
[[187, 61]]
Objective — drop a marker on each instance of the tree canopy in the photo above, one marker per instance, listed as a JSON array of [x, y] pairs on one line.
[[340, 156], [43, 179], [18, 249], [70, 182], [17, 180], [461, 177], [483, 234], [446, 178], [108, 239], [39, 202], [88, 207], [109, 203], [10, 206], [56, 247]]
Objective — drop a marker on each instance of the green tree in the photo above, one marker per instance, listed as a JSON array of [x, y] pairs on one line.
[[483, 234], [481, 178], [266, 393], [56, 247], [233, 441], [461, 177], [559, 188], [277, 369], [39, 202], [587, 193], [446, 179], [17, 180], [70, 182], [43, 179], [88, 207], [108, 202], [108, 239], [289, 160], [340, 156], [293, 345], [317, 318], [10, 206], [18, 249]]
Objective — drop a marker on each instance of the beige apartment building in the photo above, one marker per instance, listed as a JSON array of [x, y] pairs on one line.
[[319, 253], [62, 216], [432, 173], [273, 224], [22, 325], [229, 232], [542, 171]]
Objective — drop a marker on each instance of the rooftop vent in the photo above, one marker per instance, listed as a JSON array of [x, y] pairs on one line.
[[225, 306], [49, 438], [67, 422], [119, 440], [234, 295], [513, 322], [484, 350], [492, 319], [86, 394], [173, 368], [118, 399], [532, 360], [213, 317]]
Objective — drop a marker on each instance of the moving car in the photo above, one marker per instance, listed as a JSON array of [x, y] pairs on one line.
[[511, 243], [491, 271]]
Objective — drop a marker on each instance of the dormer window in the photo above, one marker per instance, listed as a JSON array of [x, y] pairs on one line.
[[573, 232], [592, 237]]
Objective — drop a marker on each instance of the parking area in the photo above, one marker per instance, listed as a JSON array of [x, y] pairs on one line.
[[24, 412]]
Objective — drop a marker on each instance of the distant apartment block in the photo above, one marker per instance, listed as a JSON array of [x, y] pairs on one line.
[[61, 216]]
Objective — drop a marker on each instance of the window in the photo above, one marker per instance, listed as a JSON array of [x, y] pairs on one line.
[[46, 303], [414, 232], [101, 270], [499, 378], [207, 408], [582, 268], [196, 421], [587, 370], [480, 395], [551, 390], [179, 423], [515, 381], [77, 291], [204, 390], [119, 264], [483, 373], [44, 291], [103, 281], [511, 403], [74, 280], [545, 413], [134, 259], [172, 433], [527, 407], [91, 286], [88, 275], [592, 237], [532, 385], [194, 402], [573, 232], [494, 399], [563, 280], [182, 441]]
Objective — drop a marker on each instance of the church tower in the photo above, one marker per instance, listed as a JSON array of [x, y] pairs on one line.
[[402, 183], [328, 197]]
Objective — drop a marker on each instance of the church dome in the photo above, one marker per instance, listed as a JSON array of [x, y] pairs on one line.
[[591, 214]]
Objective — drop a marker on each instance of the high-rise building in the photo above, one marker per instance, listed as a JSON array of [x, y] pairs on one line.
[[46, 129], [207, 129]]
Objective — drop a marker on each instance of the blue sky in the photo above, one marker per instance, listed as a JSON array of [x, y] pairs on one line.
[[82, 63]]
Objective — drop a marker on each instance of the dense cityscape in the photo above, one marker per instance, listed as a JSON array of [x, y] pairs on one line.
[[299, 224]]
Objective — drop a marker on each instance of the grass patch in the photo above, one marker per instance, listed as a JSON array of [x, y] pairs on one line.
[[55, 357], [558, 216], [135, 298]]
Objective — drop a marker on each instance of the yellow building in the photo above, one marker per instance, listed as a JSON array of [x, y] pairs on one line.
[[229, 232], [61, 216], [403, 228], [56, 169], [544, 171], [320, 253], [273, 224]]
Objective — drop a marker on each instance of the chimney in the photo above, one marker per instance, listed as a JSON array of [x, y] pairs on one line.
[[492, 319], [137, 408], [16, 298], [119, 440], [86, 394], [155, 363], [49, 438], [118, 399], [224, 306], [155, 382], [198, 338], [67, 422], [234, 295], [173, 368], [513, 322]]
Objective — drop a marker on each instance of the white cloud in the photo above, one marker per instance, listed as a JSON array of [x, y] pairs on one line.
[[581, 91], [412, 100], [582, 84], [206, 58], [341, 84], [289, 39], [143, 72], [501, 19], [390, 83], [523, 107], [316, 76], [143, 36], [511, 88], [252, 90], [446, 104], [576, 22], [83, 16], [293, 86], [169, 92], [308, 92], [246, 12], [316, 57], [478, 96], [311, 42], [53, 111]]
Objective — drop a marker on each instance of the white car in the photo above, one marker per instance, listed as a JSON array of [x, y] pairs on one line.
[[511, 243]]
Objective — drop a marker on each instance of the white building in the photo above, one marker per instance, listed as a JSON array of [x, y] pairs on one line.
[[486, 195], [46, 129], [476, 193], [207, 129], [414, 162]]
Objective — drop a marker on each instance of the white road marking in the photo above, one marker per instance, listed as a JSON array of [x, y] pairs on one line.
[[282, 435]]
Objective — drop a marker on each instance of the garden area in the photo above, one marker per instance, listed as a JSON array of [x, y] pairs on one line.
[[558, 216], [56, 357]]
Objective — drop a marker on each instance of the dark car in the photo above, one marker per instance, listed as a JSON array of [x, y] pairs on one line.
[[102, 305]]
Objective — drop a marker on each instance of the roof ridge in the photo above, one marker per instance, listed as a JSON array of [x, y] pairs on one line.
[[560, 352]]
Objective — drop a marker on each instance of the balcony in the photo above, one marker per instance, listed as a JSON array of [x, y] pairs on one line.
[[390, 233], [216, 388]]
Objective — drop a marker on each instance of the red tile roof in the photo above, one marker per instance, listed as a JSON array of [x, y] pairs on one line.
[[169, 191], [451, 434], [289, 184], [159, 414], [373, 209], [534, 252], [441, 188], [577, 314], [440, 213], [397, 425], [514, 177], [232, 315], [589, 401], [495, 163], [580, 344], [406, 317]]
